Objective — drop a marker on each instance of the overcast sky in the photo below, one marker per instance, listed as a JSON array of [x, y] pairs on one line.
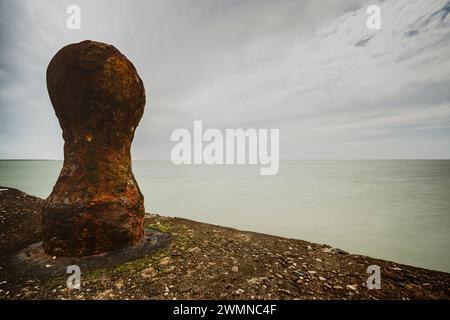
[[310, 68]]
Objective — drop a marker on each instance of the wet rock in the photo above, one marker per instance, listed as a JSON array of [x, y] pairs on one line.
[[352, 287], [285, 291], [96, 204], [238, 292], [339, 251], [165, 261], [185, 287], [256, 280], [148, 273], [194, 250], [105, 295]]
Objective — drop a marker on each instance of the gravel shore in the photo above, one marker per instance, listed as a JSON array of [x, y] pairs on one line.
[[206, 261]]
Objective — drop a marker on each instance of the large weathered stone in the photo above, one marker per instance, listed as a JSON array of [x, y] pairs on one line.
[[96, 204]]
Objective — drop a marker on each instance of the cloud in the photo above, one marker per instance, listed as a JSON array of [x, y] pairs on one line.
[[311, 69]]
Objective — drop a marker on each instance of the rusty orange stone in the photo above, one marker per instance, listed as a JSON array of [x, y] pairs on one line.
[[96, 204]]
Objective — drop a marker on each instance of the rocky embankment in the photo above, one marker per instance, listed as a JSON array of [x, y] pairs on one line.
[[206, 261]]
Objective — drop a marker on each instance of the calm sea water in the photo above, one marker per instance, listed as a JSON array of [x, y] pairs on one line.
[[396, 210]]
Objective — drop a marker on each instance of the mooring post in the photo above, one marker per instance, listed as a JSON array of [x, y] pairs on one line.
[[96, 204]]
